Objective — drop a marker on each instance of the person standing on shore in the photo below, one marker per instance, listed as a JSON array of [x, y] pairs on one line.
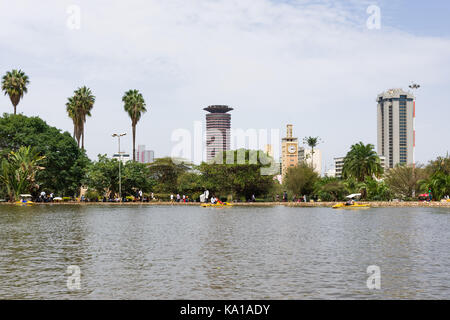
[[171, 198], [178, 197]]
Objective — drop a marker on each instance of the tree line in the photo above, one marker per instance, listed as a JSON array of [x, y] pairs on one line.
[[79, 106], [35, 156]]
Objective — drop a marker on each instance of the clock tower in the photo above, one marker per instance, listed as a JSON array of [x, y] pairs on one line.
[[289, 151]]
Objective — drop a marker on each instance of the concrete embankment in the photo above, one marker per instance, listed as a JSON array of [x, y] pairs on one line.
[[433, 204]]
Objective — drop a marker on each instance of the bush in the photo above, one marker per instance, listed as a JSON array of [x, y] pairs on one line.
[[92, 195]]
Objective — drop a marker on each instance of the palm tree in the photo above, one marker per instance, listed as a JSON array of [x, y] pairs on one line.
[[361, 162], [78, 108], [134, 104], [72, 112], [312, 142], [18, 171], [14, 84]]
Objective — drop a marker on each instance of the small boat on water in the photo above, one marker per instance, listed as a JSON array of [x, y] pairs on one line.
[[217, 205], [351, 204], [25, 200]]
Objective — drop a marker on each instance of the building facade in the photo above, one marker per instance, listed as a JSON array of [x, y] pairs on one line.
[[122, 156], [305, 155], [143, 155], [395, 127], [289, 150], [218, 126]]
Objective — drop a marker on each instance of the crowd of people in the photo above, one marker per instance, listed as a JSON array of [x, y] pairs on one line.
[[44, 197]]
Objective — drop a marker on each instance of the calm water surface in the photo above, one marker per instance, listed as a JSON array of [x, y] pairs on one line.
[[165, 252]]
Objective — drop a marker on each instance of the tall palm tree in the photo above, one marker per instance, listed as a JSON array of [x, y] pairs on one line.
[[312, 142], [78, 108], [72, 112], [361, 162], [134, 104], [14, 84]]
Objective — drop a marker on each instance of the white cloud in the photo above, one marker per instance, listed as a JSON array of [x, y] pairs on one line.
[[313, 64]]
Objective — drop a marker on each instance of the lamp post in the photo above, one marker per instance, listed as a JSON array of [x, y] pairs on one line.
[[118, 135]]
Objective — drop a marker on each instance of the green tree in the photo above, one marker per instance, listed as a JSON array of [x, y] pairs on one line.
[[377, 190], [301, 179], [441, 164], [353, 186], [165, 172], [78, 108], [361, 162], [14, 84], [135, 177], [438, 184], [330, 189], [103, 177], [191, 184], [312, 142], [18, 171], [403, 180], [239, 173], [64, 162], [438, 180], [134, 105]]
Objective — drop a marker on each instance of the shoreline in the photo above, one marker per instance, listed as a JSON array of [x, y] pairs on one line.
[[374, 204]]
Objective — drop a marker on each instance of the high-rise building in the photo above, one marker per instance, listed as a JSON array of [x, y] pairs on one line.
[[305, 155], [289, 150], [144, 156], [338, 165], [218, 126], [396, 135]]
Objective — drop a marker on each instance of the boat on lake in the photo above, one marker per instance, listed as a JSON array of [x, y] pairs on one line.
[[25, 200]]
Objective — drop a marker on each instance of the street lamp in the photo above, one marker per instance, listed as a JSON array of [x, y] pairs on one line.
[[118, 135]]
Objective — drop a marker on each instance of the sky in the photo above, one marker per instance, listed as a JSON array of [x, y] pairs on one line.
[[318, 65]]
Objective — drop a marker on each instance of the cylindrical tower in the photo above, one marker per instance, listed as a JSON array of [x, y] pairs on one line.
[[218, 125]]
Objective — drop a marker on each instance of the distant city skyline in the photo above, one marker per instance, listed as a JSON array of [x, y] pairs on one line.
[[313, 64]]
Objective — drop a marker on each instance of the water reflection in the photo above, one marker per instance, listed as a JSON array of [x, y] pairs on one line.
[[142, 252]]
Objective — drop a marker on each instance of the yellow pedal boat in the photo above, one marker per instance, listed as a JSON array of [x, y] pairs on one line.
[[353, 206], [25, 200], [217, 205]]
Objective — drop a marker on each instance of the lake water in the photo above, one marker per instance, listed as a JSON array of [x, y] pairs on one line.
[[177, 252]]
